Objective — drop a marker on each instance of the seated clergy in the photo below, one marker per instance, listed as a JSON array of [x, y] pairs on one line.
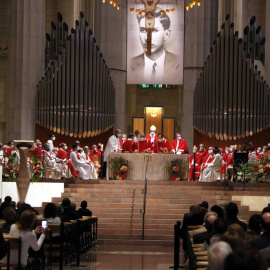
[[212, 171], [179, 145], [129, 144], [198, 162], [85, 155], [85, 170], [162, 144], [52, 169]]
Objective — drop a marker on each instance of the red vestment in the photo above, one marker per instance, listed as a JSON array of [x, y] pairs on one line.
[[143, 146], [181, 146], [129, 146], [95, 154], [198, 162], [61, 154], [152, 142], [164, 144]]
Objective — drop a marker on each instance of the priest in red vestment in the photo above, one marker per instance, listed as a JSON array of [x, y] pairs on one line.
[[129, 145], [179, 145], [143, 145], [198, 162], [95, 152], [162, 144], [152, 138]]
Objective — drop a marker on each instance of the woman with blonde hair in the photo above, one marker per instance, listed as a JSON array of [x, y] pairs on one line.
[[24, 229]]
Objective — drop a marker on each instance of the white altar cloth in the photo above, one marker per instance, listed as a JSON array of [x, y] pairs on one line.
[[139, 161]]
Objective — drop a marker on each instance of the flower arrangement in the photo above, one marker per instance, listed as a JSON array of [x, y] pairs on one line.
[[36, 168], [10, 169], [177, 170], [258, 171], [119, 168]]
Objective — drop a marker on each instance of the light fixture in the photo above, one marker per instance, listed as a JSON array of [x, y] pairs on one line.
[[143, 12], [118, 6], [193, 3], [137, 11], [162, 12], [173, 10], [103, 1], [167, 11], [131, 10], [114, 3], [111, 1]]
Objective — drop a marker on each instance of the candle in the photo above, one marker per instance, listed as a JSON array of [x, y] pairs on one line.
[[116, 148], [101, 148]]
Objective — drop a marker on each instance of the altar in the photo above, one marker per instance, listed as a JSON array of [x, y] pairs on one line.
[[150, 165]]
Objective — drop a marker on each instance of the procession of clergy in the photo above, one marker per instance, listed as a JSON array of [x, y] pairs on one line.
[[211, 165]]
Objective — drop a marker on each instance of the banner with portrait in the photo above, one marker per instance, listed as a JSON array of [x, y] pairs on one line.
[[165, 64]]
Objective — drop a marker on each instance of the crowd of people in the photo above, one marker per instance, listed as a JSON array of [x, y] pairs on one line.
[[57, 161], [23, 220], [231, 244], [60, 161]]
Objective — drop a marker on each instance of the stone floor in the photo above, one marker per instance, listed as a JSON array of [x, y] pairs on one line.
[[123, 258]]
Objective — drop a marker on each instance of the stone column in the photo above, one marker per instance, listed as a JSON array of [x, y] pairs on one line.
[[23, 178], [27, 45]]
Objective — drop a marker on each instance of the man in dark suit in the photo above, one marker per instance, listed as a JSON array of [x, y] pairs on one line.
[[232, 212], [263, 241], [160, 63]]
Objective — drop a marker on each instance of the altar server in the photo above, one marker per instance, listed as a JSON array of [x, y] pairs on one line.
[[113, 144]]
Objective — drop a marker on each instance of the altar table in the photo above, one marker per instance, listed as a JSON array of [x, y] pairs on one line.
[[150, 165]]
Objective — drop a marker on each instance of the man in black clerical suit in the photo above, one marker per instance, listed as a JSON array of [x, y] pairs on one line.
[[161, 63]]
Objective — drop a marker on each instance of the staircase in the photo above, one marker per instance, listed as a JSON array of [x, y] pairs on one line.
[[119, 208]]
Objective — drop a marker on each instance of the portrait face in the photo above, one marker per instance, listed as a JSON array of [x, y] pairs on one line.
[[159, 35]]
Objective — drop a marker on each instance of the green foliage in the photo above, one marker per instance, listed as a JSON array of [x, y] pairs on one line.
[[256, 172], [9, 170], [119, 168], [177, 170], [36, 168]]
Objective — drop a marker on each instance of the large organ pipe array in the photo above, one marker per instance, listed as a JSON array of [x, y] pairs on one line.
[[231, 98], [76, 95]]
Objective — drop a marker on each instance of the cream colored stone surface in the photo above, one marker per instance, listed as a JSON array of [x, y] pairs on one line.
[[255, 203], [151, 166], [37, 192]]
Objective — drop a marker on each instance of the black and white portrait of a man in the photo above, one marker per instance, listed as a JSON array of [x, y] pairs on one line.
[[165, 63]]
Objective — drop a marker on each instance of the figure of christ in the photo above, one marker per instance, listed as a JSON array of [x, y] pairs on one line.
[[150, 7]]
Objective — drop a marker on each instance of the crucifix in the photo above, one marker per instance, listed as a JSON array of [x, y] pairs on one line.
[[150, 8]]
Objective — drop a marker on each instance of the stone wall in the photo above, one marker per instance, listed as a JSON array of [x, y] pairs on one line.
[[4, 51]]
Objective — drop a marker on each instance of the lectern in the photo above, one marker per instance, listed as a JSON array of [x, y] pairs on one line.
[[23, 178]]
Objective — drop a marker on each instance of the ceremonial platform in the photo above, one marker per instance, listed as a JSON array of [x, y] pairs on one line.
[[119, 206]]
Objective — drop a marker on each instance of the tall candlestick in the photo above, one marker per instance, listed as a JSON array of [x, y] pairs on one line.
[[101, 148]]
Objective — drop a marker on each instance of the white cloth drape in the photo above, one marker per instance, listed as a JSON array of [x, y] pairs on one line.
[[212, 171], [85, 170]]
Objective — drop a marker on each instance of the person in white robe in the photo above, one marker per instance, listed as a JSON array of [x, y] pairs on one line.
[[113, 144], [88, 159], [80, 165], [212, 172], [52, 169]]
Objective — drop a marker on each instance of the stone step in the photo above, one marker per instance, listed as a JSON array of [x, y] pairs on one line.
[[135, 237], [132, 231]]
